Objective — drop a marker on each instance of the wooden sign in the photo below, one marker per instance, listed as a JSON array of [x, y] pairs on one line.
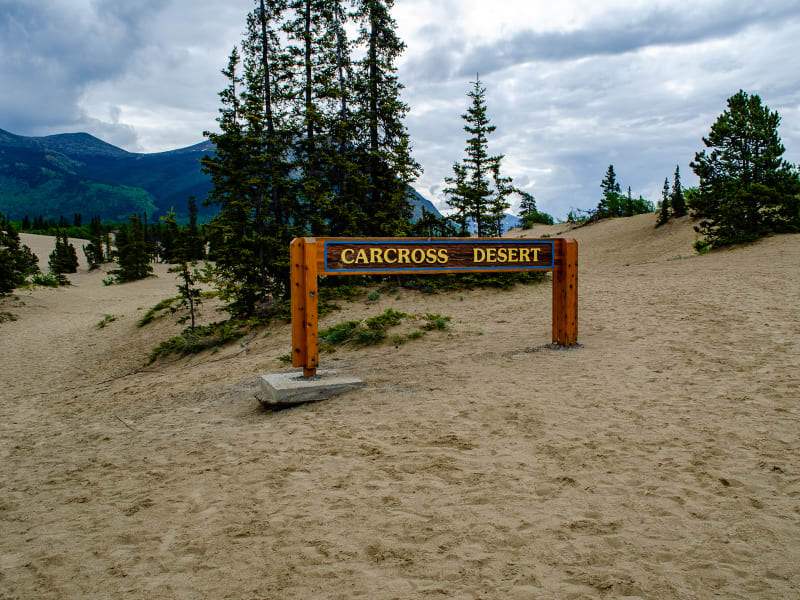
[[311, 257], [440, 256]]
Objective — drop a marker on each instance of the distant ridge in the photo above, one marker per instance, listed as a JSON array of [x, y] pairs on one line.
[[70, 173]]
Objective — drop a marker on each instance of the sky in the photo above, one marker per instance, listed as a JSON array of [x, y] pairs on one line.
[[572, 86]]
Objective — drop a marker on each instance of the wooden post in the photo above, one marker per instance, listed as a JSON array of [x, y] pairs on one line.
[[305, 342], [297, 260], [312, 314], [565, 295]]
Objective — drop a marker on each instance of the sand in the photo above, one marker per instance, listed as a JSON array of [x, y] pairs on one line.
[[658, 460]]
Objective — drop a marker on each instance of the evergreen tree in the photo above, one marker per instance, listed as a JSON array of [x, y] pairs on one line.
[[676, 201], [63, 258], [17, 261], [133, 256], [384, 155], [477, 192], [746, 189], [168, 236], [529, 214], [663, 215], [94, 249], [609, 205], [188, 291], [251, 169], [629, 204], [195, 246]]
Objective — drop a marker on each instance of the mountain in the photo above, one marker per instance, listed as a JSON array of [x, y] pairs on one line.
[[72, 173]]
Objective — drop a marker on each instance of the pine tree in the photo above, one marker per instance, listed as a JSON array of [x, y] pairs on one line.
[[528, 212], [676, 200], [477, 192], [188, 291], [609, 205], [746, 189], [17, 261], [133, 256], [384, 149], [63, 259], [94, 249], [195, 246], [251, 171], [663, 215], [168, 236], [629, 204]]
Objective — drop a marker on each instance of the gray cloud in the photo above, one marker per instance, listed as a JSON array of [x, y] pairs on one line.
[[616, 33]]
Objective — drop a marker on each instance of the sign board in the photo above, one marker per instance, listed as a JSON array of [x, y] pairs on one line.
[[311, 257]]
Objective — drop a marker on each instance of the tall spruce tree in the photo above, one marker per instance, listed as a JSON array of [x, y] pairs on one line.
[[385, 152], [259, 208], [63, 259], [676, 200], [193, 239], [477, 192], [746, 188], [17, 261], [609, 205], [94, 249], [133, 254], [663, 214]]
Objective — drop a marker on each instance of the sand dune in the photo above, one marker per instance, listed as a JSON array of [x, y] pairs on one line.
[[658, 460]]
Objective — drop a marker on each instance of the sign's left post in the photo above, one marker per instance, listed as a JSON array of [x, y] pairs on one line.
[[305, 338]]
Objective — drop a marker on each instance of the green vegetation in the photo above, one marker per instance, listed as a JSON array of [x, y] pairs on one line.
[[434, 284], [133, 253], [191, 341], [746, 189], [63, 259], [529, 214], [6, 316], [371, 331], [17, 261], [106, 320], [151, 314], [363, 333], [45, 280], [436, 322]]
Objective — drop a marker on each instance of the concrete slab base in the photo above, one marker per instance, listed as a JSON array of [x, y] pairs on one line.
[[288, 389]]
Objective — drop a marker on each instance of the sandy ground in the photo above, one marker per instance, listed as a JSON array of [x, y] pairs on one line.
[[659, 460]]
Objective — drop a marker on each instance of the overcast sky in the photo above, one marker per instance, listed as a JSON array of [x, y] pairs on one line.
[[573, 86]]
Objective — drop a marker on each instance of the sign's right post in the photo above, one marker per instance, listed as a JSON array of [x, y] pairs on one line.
[[565, 293]]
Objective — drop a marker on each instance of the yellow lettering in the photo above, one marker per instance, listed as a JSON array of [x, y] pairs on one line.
[[430, 255], [478, 255], [502, 255], [491, 255], [536, 254], [361, 257], [443, 257], [418, 255], [386, 255], [375, 255], [524, 255], [513, 255], [344, 257], [402, 255]]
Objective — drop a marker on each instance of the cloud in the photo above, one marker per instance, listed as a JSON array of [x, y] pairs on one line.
[[102, 65], [617, 32]]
